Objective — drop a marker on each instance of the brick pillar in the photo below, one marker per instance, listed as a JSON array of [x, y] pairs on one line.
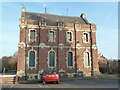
[[21, 62], [22, 44], [21, 54], [21, 51]]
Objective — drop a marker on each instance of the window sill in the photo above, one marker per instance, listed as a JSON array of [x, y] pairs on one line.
[[51, 41], [32, 40], [51, 67], [87, 66], [31, 68], [86, 42], [70, 67], [69, 41]]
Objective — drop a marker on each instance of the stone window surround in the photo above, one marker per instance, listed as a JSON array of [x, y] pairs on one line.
[[72, 59], [66, 36], [55, 63], [35, 58], [42, 23], [22, 21], [89, 59], [35, 35], [49, 35], [84, 37], [59, 24]]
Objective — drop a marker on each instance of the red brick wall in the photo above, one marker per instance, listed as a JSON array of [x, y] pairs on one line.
[[7, 79], [42, 53]]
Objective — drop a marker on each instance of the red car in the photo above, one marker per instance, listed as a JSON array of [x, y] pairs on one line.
[[50, 76]]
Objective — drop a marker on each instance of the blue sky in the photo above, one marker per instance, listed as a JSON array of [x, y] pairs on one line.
[[103, 14]]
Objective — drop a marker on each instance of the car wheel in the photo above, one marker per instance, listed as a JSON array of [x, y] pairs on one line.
[[57, 82], [43, 82]]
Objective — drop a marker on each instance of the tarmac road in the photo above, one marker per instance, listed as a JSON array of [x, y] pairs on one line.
[[71, 83]]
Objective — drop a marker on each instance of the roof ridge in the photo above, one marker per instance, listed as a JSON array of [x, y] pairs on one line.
[[53, 14], [54, 17]]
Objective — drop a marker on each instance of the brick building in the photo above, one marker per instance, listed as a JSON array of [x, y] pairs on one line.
[[53, 42], [103, 63], [102, 59]]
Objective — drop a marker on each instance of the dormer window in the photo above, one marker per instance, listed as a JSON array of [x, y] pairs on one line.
[[60, 24], [43, 22]]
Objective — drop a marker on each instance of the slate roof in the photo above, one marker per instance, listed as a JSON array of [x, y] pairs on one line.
[[55, 18]]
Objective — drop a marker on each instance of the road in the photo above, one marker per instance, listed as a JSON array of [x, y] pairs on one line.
[[72, 83]]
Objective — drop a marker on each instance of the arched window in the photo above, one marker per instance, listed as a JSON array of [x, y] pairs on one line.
[[32, 35], [87, 59], [51, 59], [70, 59], [32, 59]]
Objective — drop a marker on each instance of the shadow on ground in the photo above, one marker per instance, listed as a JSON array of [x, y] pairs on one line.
[[34, 82]]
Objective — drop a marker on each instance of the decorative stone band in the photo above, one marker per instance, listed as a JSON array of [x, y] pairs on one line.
[[54, 27], [42, 45], [21, 44]]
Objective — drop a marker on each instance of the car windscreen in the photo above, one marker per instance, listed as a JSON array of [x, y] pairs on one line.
[[50, 72]]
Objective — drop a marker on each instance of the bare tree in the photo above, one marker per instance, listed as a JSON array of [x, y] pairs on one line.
[[10, 62]]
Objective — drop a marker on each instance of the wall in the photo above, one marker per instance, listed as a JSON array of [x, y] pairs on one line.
[[60, 46]]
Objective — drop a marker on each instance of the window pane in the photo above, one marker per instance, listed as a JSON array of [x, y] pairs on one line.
[[51, 35], [52, 59], [32, 35], [87, 60], [70, 59], [86, 37], [69, 36], [32, 59]]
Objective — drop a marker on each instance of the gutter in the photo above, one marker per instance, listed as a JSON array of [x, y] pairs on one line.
[[92, 68], [75, 50]]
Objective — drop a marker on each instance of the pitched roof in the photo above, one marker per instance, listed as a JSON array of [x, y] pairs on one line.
[[55, 18]]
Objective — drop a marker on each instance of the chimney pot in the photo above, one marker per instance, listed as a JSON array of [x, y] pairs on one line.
[[83, 15], [23, 11]]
